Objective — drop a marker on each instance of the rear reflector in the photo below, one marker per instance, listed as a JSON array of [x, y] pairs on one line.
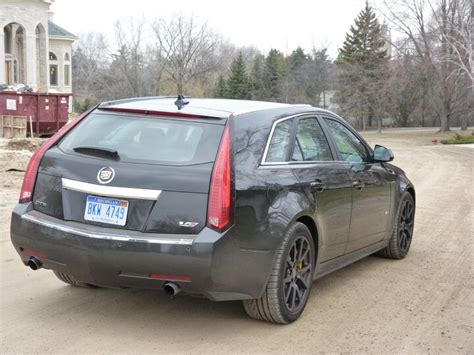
[[29, 179], [220, 214], [31, 252], [167, 277]]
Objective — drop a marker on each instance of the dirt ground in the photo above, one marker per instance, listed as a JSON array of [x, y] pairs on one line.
[[422, 304]]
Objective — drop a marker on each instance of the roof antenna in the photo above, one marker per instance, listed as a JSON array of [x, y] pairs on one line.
[[181, 102]]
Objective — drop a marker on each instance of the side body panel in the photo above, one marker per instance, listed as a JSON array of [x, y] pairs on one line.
[[270, 197], [267, 199], [332, 206], [371, 205], [372, 195]]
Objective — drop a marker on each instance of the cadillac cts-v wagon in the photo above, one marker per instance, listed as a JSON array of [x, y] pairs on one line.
[[227, 199]]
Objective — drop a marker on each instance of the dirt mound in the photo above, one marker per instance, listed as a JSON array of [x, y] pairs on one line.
[[30, 144]]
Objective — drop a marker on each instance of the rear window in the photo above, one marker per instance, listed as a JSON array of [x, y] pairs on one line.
[[150, 140]]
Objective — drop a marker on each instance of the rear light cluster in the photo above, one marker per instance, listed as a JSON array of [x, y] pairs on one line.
[[220, 211], [29, 179]]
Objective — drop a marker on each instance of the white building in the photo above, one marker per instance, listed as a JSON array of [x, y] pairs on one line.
[[33, 49]]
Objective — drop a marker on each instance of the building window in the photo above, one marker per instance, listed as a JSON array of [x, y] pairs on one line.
[[53, 75], [66, 57], [67, 78], [52, 56], [7, 39]]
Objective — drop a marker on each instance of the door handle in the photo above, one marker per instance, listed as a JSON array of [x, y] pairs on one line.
[[359, 185], [317, 185]]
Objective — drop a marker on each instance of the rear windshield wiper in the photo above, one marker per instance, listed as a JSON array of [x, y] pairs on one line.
[[98, 151]]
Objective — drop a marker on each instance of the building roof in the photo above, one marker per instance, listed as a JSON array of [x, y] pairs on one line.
[[221, 108], [57, 31]]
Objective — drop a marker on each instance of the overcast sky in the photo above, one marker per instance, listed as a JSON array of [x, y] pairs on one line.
[[261, 23]]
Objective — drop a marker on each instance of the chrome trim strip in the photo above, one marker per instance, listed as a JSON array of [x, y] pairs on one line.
[[110, 191], [104, 236]]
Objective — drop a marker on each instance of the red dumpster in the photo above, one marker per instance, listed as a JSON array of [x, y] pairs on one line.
[[45, 113]]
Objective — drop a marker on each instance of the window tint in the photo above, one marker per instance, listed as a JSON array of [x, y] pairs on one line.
[[310, 142], [67, 70], [53, 74], [146, 139], [279, 142], [348, 145]]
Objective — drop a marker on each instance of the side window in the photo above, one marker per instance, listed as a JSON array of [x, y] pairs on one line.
[[310, 142], [279, 142], [349, 146]]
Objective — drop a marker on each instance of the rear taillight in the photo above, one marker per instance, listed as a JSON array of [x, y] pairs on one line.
[[29, 179], [220, 211]]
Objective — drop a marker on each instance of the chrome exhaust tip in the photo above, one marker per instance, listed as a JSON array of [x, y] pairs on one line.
[[171, 289], [34, 263]]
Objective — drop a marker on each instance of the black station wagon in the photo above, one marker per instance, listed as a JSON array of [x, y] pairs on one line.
[[227, 199]]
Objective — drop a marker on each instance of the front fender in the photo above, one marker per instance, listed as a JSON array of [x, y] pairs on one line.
[[403, 184]]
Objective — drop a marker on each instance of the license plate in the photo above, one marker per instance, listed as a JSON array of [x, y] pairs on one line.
[[106, 210]]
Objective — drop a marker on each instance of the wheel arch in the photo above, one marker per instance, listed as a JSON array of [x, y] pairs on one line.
[[411, 191], [311, 225]]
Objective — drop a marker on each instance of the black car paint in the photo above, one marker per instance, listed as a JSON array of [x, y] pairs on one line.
[[230, 265]]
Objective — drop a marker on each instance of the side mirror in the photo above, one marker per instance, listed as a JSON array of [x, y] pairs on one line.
[[382, 154]]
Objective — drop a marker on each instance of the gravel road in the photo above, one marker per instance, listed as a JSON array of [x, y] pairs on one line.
[[422, 304]]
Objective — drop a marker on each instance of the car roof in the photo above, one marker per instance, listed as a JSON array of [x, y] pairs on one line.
[[218, 108]]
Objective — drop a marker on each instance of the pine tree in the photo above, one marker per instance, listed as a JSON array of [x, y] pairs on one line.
[[220, 90], [362, 64], [319, 77], [257, 78], [297, 59], [238, 85], [275, 69], [364, 43]]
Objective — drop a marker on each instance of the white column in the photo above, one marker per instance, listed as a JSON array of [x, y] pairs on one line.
[[3, 78], [30, 57], [44, 63]]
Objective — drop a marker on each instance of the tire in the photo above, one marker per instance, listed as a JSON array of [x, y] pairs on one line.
[[71, 280], [287, 273], [402, 234]]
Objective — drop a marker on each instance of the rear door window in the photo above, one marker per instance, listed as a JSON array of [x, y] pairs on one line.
[[310, 142], [152, 140]]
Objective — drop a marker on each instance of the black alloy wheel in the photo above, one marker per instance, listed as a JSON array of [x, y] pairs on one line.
[[290, 281], [402, 233], [298, 274], [406, 224]]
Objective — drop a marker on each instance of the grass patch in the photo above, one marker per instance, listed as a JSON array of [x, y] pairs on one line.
[[460, 139]]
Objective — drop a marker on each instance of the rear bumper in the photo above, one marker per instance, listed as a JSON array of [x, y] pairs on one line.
[[215, 264]]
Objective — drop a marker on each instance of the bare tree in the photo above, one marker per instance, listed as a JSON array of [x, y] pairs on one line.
[[128, 66], [187, 46], [90, 62], [404, 88], [155, 67], [430, 27], [454, 19]]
